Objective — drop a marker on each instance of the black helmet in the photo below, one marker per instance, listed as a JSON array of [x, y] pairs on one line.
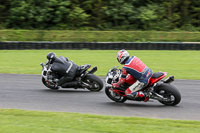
[[51, 56]]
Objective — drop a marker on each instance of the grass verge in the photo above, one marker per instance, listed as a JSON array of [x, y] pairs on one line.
[[20, 121], [98, 36], [181, 64]]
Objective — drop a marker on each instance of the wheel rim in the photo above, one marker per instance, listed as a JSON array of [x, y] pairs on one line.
[[94, 85], [50, 84], [115, 95], [167, 95]]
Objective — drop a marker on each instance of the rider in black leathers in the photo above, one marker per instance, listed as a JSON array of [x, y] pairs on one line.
[[68, 69]]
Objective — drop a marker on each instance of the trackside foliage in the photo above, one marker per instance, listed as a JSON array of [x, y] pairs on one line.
[[101, 15]]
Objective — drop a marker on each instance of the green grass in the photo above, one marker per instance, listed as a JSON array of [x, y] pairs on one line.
[[98, 36], [19, 121], [181, 64]]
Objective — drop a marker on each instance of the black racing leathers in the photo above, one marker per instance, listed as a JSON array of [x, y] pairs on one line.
[[65, 68]]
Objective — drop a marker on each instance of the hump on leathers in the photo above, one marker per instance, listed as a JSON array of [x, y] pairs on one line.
[[60, 65]]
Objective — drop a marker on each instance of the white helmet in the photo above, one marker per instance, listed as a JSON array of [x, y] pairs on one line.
[[122, 56]]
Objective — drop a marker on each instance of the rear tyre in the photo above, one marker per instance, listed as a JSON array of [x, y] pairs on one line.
[[49, 85], [114, 96], [170, 92], [96, 84]]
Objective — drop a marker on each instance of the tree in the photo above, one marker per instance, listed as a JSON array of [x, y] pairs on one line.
[[195, 13], [78, 17], [147, 16], [4, 11], [120, 13], [101, 14], [96, 9], [38, 14]]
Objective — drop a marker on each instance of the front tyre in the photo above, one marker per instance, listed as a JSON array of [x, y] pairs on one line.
[[95, 83], [114, 96], [170, 92], [49, 85]]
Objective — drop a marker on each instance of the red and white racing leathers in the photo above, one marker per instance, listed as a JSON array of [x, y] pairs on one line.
[[135, 67]]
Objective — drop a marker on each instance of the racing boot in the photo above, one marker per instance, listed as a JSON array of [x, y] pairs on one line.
[[139, 96], [143, 96]]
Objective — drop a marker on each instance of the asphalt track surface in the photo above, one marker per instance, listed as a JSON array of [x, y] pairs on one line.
[[28, 93]]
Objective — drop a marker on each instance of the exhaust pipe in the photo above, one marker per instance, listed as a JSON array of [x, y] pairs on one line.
[[94, 69], [169, 79]]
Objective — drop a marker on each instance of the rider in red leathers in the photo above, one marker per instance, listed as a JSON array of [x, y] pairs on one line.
[[135, 67]]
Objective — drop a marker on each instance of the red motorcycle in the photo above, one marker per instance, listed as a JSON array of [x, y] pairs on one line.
[[158, 88]]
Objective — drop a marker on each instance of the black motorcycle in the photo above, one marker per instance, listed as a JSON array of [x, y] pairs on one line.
[[83, 79]]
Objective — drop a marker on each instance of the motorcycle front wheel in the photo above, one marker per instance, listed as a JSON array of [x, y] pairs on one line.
[[114, 96], [49, 85], [95, 83]]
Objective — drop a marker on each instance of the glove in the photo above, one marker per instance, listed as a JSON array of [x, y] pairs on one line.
[[108, 85], [120, 82], [115, 85], [55, 80]]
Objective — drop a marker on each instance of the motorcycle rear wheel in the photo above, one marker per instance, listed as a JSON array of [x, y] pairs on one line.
[[95, 82], [114, 96], [170, 92]]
